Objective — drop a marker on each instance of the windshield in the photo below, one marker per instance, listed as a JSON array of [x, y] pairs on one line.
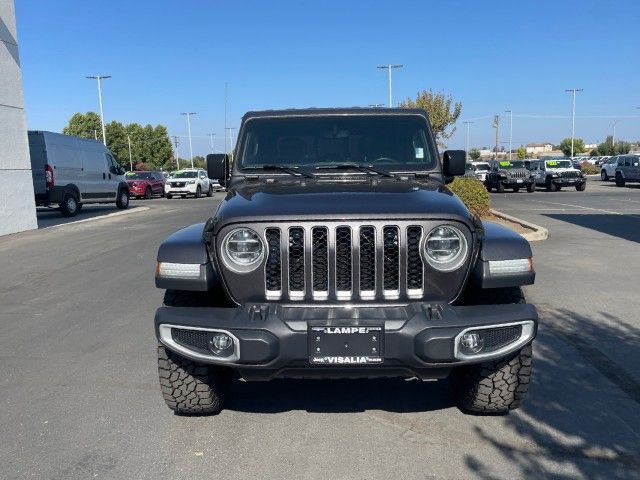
[[482, 167], [509, 165], [559, 164], [185, 175], [396, 143], [139, 176]]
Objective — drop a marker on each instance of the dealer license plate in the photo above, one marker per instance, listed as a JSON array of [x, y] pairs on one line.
[[520, 180], [344, 346]]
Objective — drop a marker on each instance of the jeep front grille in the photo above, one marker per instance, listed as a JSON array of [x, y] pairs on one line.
[[570, 174], [343, 262], [519, 174]]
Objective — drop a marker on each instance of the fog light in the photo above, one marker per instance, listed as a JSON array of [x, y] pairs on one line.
[[221, 344], [471, 343]]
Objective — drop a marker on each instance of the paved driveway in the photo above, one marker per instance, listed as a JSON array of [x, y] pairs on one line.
[[80, 397]]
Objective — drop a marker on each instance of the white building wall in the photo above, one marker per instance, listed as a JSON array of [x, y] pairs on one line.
[[17, 203]]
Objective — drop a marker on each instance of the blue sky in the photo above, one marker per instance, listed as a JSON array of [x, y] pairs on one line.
[[172, 56]]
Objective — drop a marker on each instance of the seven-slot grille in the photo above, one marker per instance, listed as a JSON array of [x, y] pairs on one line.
[[519, 174], [344, 262], [569, 174]]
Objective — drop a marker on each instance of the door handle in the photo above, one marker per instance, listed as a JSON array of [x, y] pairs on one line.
[[104, 176]]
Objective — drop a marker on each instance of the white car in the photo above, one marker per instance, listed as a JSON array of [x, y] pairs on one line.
[[481, 169], [608, 169], [189, 182]]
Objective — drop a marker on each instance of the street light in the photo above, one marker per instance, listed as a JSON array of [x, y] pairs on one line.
[[613, 138], [510, 130], [467, 123], [229, 129], [389, 67], [573, 114], [188, 115], [211, 135], [99, 78]]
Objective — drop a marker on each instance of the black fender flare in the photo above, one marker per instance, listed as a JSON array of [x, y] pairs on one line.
[[187, 246], [501, 243]]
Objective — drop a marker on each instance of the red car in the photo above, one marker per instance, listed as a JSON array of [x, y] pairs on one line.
[[145, 184]]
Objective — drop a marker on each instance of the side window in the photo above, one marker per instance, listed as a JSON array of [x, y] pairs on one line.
[[113, 165], [627, 161]]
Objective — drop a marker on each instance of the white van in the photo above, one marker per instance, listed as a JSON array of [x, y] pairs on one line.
[[70, 171]]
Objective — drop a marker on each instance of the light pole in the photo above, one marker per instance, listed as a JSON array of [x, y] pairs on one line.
[[573, 114], [211, 135], [130, 160], [230, 129], [496, 125], [99, 78], [389, 67], [613, 138], [188, 115], [510, 130], [467, 123]]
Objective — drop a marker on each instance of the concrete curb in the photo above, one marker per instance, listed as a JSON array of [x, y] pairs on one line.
[[128, 211], [538, 233]]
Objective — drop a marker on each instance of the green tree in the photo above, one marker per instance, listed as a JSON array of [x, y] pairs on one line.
[[522, 152], [85, 125], [608, 148], [578, 146], [443, 112], [474, 153]]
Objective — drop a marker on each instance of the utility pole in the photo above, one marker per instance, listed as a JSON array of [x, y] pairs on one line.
[[225, 116], [99, 78], [613, 138], [176, 142], [389, 67], [510, 130], [211, 135], [188, 115], [467, 124], [496, 125], [130, 158], [573, 114]]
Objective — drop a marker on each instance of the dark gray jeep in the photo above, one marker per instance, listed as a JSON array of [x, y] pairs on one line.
[[339, 252], [509, 174]]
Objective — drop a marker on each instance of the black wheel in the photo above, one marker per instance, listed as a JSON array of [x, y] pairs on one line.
[[531, 187], [488, 185], [516, 189], [603, 176], [148, 193], [494, 386], [123, 199], [198, 192], [581, 187], [210, 191], [169, 196], [191, 388], [551, 187], [69, 205], [500, 187], [619, 180]]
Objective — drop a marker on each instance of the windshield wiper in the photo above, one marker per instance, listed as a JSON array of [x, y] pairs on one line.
[[281, 168], [357, 166]]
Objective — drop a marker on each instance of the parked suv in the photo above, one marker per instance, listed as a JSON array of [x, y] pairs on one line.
[[70, 171], [555, 174], [509, 174], [339, 252], [481, 168], [146, 184], [189, 182], [608, 169], [629, 171]]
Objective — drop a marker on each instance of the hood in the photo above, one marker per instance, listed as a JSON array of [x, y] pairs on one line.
[[131, 182], [331, 200]]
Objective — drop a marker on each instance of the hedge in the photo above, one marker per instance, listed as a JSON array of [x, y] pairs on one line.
[[589, 169], [473, 194]]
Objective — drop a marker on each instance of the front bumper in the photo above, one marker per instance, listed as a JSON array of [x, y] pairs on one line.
[[189, 189], [516, 182], [272, 340], [566, 182]]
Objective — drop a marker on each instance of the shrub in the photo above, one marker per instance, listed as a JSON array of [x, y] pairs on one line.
[[473, 194], [589, 169]]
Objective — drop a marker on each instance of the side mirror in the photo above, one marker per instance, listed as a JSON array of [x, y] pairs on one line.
[[453, 163], [217, 167]]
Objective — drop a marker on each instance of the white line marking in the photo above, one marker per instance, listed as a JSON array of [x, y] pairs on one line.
[[580, 206], [100, 217]]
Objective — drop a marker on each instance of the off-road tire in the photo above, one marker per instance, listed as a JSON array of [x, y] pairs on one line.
[[148, 193], [496, 386], [69, 205], [603, 176], [619, 180], [581, 187], [122, 202], [191, 388], [531, 187]]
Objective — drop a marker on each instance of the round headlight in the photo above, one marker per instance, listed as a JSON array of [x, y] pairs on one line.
[[445, 248], [242, 250]]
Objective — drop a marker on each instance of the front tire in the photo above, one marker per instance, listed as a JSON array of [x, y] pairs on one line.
[[551, 187], [168, 195], [198, 192], [619, 180], [531, 187], [210, 191], [603, 176], [123, 199], [191, 388], [148, 193], [581, 187], [500, 187]]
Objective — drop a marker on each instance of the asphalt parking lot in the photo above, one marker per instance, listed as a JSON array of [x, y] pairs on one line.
[[80, 396]]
